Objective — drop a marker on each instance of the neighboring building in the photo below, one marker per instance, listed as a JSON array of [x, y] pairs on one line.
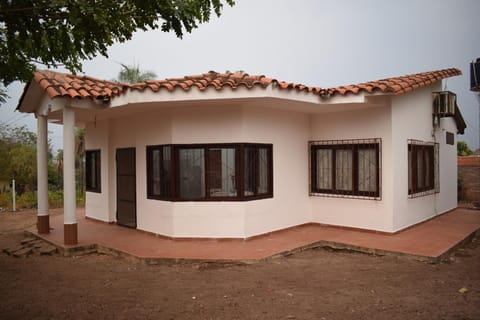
[[469, 179], [235, 156]]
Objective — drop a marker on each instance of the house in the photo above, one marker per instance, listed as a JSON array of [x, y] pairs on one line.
[[234, 156]]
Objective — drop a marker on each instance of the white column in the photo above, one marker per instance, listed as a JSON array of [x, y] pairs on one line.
[[42, 175], [69, 195]]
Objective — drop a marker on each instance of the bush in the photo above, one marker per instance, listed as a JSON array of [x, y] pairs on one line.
[[81, 199], [55, 199], [27, 200], [5, 201]]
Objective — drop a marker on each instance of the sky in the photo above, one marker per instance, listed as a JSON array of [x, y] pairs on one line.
[[313, 42]]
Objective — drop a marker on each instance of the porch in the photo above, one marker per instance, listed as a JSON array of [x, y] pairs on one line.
[[431, 240]]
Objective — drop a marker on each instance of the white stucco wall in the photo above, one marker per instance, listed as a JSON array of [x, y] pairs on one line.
[[412, 119], [447, 199], [393, 119], [357, 213], [96, 138], [287, 131]]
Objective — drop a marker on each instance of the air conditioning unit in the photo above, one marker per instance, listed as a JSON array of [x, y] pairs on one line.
[[444, 103]]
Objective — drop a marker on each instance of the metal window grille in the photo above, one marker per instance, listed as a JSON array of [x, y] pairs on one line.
[[346, 168], [423, 168]]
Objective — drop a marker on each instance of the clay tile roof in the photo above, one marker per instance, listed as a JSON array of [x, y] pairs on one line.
[[211, 79], [396, 85], [77, 86], [84, 87]]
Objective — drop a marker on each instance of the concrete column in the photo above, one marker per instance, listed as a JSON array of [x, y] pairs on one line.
[[43, 220], [69, 195]]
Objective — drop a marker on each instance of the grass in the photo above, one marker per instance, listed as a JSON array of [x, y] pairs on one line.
[[28, 200]]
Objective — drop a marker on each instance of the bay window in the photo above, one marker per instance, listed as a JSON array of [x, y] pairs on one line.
[[199, 172]]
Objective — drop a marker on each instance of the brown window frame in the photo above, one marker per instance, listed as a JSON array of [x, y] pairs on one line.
[[239, 177], [430, 177], [89, 185], [150, 177], [354, 145]]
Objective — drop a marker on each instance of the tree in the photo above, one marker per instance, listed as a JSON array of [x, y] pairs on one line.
[[238, 71], [3, 95], [18, 156], [463, 149], [18, 159], [133, 74], [62, 32]]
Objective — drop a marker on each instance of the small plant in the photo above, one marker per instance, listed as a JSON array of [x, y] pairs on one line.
[[27, 200], [5, 201], [55, 198]]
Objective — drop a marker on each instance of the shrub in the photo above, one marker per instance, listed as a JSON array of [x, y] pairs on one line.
[[81, 199], [55, 199], [27, 200], [5, 201]]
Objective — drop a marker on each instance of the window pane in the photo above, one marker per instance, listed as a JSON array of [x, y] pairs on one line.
[[263, 178], [428, 168], [155, 172], [420, 169], [221, 172], [92, 170], [192, 173], [410, 174], [324, 169], [166, 177], [249, 178], [367, 170], [343, 174]]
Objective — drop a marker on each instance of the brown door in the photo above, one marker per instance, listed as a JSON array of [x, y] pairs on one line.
[[126, 188]]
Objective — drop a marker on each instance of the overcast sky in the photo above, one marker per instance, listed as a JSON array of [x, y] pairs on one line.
[[316, 42]]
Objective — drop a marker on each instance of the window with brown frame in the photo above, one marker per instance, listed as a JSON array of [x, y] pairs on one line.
[[203, 172], [92, 171], [422, 168], [159, 164], [345, 168]]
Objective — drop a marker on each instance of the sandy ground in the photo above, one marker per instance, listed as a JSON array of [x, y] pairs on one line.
[[315, 284]]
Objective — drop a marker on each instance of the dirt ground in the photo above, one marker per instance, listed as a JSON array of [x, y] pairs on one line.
[[315, 284]]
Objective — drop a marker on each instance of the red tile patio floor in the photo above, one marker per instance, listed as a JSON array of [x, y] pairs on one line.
[[430, 240]]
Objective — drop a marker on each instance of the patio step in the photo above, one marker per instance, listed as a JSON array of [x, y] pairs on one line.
[[31, 246]]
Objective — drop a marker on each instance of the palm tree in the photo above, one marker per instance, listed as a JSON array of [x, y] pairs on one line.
[[133, 74]]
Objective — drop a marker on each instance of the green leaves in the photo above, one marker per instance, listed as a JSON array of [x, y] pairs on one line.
[[62, 32], [133, 74], [18, 155], [463, 149]]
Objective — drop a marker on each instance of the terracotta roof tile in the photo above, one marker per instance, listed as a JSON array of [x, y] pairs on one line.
[[76, 86], [396, 85], [80, 86]]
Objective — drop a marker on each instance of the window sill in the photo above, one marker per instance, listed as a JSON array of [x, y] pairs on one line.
[[422, 193], [214, 199], [345, 196]]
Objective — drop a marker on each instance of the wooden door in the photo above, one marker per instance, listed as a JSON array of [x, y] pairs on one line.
[[126, 188]]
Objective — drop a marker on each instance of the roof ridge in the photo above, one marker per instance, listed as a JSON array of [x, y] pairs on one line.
[[57, 84], [396, 85]]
